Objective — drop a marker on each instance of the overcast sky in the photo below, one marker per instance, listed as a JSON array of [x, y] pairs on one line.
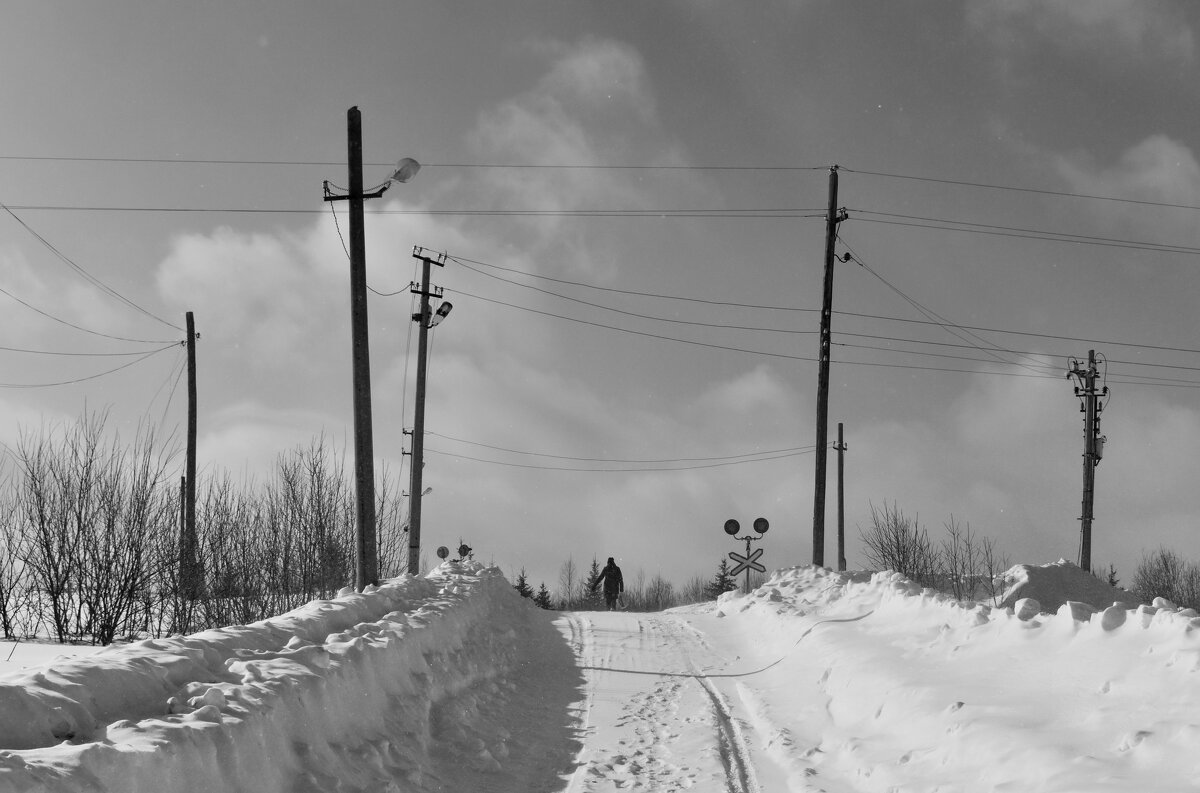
[[1023, 170]]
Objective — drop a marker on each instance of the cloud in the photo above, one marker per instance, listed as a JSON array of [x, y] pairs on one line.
[[1093, 27], [247, 436], [598, 72], [267, 292], [37, 290], [1156, 169], [593, 107]]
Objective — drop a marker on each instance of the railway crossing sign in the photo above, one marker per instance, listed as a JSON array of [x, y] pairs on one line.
[[747, 562], [750, 560]]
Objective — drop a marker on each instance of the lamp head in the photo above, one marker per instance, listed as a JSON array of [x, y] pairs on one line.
[[406, 169], [442, 312]]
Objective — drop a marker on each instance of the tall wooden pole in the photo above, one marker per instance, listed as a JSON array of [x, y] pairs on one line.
[[822, 443], [1089, 462], [415, 486], [418, 442], [190, 573], [366, 569]]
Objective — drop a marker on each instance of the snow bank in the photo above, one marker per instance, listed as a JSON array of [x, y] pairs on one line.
[[335, 695], [904, 688], [1052, 585]]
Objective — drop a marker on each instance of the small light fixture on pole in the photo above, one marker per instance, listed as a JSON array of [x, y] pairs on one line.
[[366, 569]]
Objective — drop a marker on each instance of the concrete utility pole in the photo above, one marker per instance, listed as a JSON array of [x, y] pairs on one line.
[[833, 218], [189, 574], [424, 322], [841, 450], [1093, 447]]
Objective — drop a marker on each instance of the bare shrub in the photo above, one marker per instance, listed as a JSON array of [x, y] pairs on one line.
[[1167, 575], [896, 542], [695, 590], [85, 511], [14, 573]]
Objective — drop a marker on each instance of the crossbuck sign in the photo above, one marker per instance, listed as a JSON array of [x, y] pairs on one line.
[[747, 562]]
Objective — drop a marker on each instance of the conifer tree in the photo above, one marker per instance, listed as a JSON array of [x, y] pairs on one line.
[[522, 586], [542, 598], [591, 597], [721, 583]]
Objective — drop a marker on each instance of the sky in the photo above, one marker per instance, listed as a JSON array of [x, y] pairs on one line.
[[614, 187]]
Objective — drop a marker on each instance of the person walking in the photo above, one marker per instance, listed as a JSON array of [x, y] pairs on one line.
[[614, 584]]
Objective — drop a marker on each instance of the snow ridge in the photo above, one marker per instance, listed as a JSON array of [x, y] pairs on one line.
[[338, 694]]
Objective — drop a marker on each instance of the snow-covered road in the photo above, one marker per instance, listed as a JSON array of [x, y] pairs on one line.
[[816, 681], [826, 682]]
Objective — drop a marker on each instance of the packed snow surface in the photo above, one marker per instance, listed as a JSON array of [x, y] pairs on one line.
[[815, 681]]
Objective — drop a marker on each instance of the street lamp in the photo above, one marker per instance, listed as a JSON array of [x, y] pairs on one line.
[[366, 569]]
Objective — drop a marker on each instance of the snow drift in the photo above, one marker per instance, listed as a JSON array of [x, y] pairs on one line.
[[817, 680], [1052, 585], [340, 694]]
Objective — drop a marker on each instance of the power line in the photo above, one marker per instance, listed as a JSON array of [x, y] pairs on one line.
[[84, 273], [327, 164], [1040, 191], [628, 313], [89, 377], [615, 470], [464, 260], [73, 354], [989, 348], [784, 213], [1032, 334], [968, 227], [601, 167], [727, 457], [940, 323], [61, 321], [628, 330]]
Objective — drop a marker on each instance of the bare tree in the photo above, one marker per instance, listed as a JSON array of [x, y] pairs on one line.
[[568, 584], [14, 584]]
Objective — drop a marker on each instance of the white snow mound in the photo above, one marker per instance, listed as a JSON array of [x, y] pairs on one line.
[[335, 695], [1052, 585]]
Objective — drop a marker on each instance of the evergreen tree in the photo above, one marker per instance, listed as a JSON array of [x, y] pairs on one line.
[[721, 583], [591, 597], [522, 586], [542, 598]]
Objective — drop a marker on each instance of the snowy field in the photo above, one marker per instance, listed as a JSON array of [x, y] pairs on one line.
[[815, 681]]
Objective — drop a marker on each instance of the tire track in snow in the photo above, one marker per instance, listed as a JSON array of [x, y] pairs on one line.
[[735, 754]]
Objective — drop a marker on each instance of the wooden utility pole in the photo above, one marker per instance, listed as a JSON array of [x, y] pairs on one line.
[[366, 567], [424, 321], [1093, 448], [841, 450], [833, 217], [189, 574]]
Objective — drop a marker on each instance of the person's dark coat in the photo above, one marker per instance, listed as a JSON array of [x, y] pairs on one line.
[[610, 576]]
